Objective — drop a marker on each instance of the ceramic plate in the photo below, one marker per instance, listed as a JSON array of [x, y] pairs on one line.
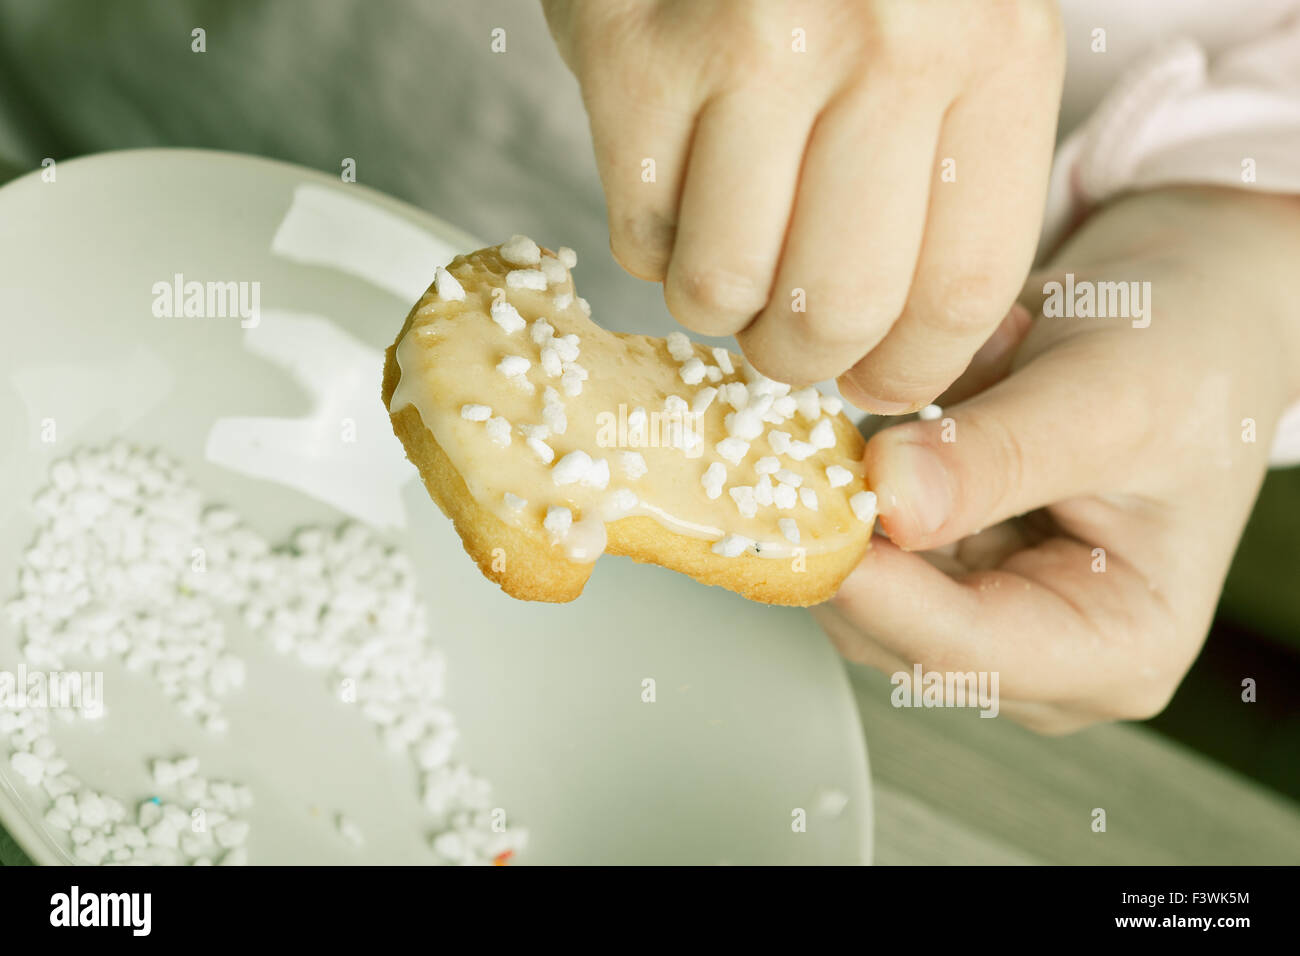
[[752, 717]]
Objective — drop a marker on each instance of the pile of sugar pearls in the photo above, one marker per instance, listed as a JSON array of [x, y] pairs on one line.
[[128, 564], [119, 567], [114, 571], [343, 604], [197, 822]]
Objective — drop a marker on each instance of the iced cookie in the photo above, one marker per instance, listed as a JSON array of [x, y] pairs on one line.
[[549, 441]]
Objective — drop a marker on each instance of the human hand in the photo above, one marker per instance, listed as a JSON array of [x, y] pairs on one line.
[[1133, 440], [895, 172]]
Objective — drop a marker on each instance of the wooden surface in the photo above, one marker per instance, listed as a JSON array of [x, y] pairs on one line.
[[954, 788]]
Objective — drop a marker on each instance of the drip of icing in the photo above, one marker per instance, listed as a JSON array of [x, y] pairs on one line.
[[586, 540]]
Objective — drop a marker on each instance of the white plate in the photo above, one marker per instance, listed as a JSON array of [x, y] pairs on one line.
[[753, 717]]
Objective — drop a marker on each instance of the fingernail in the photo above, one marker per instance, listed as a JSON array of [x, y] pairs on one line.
[[878, 406], [918, 488]]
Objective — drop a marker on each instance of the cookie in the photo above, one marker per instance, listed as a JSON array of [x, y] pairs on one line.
[[549, 441]]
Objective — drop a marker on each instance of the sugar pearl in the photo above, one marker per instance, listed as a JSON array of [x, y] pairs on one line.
[[743, 496], [800, 450], [541, 331], [735, 394], [864, 506], [572, 468], [533, 279], [692, 372], [552, 269], [498, 431], [558, 521], [679, 346], [513, 365], [598, 475], [703, 399], [714, 477], [732, 546], [808, 401], [633, 463], [746, 424], [732, 449], [448, 289], [520, 251], [552, 364], [542, 450], [838, 476], [822, 434], [507, 316]]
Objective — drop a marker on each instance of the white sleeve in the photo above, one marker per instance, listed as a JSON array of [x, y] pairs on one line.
[[1177, 117]]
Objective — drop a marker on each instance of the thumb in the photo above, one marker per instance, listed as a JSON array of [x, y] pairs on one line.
[[1035, 438]]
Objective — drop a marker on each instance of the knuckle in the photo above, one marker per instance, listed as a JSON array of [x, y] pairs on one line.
[[1016, 21], [1038, 20], [752, 57], [716, 290], [965, 305], [848, 320], [896, 37], [1008, 458]]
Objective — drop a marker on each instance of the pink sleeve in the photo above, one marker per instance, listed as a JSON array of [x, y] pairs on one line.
[[1177, 117]]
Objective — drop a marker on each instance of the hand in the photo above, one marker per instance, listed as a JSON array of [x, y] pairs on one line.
[[1131, 442], [824, 170]]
